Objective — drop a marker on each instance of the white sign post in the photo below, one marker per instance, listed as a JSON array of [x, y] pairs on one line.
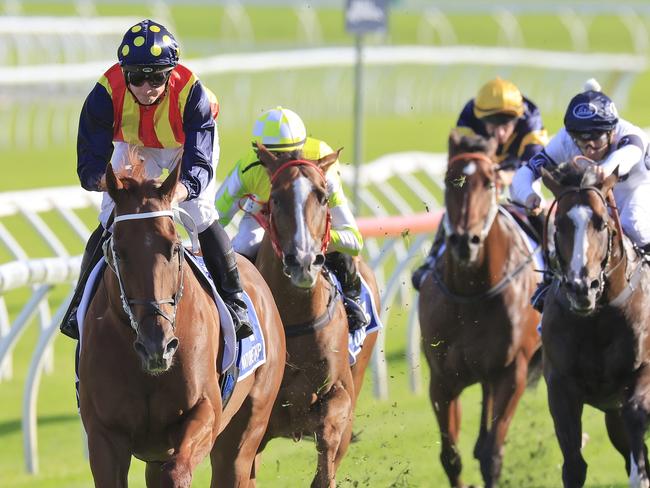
[[361, 17]]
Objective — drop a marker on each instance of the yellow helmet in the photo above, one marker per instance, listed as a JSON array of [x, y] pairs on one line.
[[498, 97], [279, 129]]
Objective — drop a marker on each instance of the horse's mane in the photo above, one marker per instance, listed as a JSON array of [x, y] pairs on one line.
[[133, 175], [574, 174]]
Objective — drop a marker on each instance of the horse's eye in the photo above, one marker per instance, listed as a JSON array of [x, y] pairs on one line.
[[322, 198], [599, 223]]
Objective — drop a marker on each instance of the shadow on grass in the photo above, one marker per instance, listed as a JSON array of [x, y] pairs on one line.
[[12, 426]]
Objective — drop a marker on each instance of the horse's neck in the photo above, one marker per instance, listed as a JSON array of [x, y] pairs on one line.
[[490, 266], [621, 264], [301, 305]]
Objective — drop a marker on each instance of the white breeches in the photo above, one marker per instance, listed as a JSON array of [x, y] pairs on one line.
[[201, 209], [249, 236], [634, 208]]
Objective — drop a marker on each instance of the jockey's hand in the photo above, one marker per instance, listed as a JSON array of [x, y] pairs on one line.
[[599, 171], [533, 204], [180, 193]]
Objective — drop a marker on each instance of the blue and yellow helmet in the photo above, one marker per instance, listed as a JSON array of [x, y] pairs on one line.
[[148, 45]]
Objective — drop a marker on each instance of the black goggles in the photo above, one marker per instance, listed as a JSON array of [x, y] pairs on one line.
[[155, 79], [596, 135]]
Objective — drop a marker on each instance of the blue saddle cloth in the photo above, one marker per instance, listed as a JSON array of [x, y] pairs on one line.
[[357, 338], [251, 351]]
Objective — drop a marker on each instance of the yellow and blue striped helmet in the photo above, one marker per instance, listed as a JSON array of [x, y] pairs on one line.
[[279, 129]]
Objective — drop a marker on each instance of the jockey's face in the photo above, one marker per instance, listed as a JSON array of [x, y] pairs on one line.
[[594, 145], [501, 132], [147, 94]]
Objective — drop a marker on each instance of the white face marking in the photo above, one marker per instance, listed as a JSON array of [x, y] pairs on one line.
[[580, 215], [301, 191], [470, 169]]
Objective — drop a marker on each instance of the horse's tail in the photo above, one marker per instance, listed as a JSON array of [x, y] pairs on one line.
[[534, 369]]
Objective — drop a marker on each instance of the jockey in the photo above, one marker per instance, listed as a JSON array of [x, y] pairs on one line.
[[592, 128], [501, 112], [248, 187], [150, 101]]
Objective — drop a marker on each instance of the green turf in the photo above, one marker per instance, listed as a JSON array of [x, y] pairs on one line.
[[398, 444]]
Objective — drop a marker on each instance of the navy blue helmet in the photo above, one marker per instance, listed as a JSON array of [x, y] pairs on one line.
[[148, 46], [590, 111]]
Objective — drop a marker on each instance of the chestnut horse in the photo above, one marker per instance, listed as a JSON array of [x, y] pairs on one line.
[[319, 389], [595, 324], [476, 320], [151, 355]]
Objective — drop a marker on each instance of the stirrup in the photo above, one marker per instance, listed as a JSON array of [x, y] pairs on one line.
[[357, 317], [239, 314]]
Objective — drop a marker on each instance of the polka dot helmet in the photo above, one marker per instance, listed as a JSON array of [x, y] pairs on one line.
[[148, 45]]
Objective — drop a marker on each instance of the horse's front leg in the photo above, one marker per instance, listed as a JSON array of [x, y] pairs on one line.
[[109, 454], [446, 407], [336, 416], [193, 441], [635, 418], [506, 390], [566, 409], [487, 404]]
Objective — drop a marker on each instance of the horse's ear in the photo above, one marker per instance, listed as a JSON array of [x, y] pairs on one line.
[[610, 181], [455, 138], [167, 188], [550, 183], [265, 156], [325, 162], [113, 183]]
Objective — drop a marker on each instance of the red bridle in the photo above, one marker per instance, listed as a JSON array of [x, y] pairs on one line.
[[264, 216]]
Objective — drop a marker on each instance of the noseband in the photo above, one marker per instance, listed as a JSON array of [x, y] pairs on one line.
[[154, 305], [494, 207], [265, 217]]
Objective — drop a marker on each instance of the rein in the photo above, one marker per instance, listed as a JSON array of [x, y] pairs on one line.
[[154, 305], [265, 217]]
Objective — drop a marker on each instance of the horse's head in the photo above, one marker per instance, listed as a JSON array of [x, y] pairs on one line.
[[299, 218], [147, 257], [470, 195], [584, 231]]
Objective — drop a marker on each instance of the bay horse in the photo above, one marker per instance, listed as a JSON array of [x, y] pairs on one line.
[[595, 323], [151, 355], [319, 389], [476, 320]]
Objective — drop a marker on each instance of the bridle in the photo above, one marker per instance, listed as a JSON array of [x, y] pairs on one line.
[[604, 272], [494, 206], [265, 216], [114, 263]]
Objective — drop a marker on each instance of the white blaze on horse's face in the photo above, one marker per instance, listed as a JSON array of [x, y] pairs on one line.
[[581, 216], [303, 269]]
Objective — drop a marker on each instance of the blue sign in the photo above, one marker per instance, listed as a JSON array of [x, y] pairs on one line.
[[362, 16]]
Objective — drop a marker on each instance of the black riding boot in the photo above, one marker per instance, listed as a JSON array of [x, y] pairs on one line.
[[221, 262], [537, 300], [537, 222], [418, 274], [345, 270], [92, 255]]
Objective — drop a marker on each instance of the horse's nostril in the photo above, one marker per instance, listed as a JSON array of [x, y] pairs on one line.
[[475, 240], [595, 285], [319, 260], [290, 260], [453, 239], [171, 346]]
